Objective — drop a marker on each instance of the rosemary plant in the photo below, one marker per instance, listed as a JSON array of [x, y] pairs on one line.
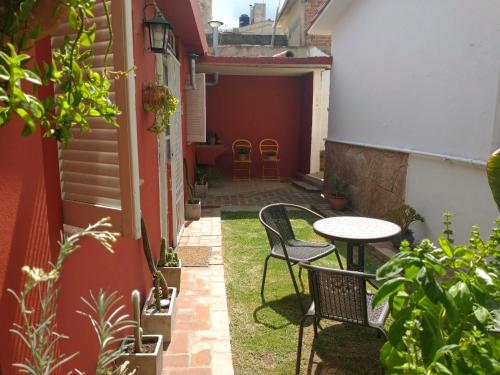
[[106, 318], [38, 305]]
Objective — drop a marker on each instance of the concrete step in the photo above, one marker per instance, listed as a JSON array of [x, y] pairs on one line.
[[314, 180], [305, 185]]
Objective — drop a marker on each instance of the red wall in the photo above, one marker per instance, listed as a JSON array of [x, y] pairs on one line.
[[28, 230], [32, 219], [257, 107]]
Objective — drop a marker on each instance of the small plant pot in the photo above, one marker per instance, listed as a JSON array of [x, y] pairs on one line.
[[338, 202], [144, 363], [172, 275], [242, 157], [200, 190], [159, 323], [192, 209]]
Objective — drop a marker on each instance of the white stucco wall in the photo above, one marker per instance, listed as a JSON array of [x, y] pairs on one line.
[[418, 74], [433, 186], [423, 75]]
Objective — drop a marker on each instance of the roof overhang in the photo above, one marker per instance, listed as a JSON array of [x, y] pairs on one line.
[[263, 66], [185, 18], [283, 11], [327, 17]]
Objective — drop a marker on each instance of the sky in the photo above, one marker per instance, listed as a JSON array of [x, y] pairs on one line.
[[229, 11]]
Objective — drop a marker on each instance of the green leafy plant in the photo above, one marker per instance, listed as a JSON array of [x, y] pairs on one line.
[[190, 187], [493, 172], [445, 304], [159, 99], [82, 92], [338, 187], [201, 175], [38, 306], [404, 216]]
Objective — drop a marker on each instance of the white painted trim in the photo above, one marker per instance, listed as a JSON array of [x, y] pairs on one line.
[[432, 155], [133, 147], [316, 123]]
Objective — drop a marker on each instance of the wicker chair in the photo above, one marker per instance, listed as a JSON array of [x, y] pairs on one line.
[[285, 246], [340, 295]]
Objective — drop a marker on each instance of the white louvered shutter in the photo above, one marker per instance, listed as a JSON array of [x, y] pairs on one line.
[[196, 111], [93, 183]]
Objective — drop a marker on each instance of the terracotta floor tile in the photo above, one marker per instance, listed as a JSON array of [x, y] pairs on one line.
[[178, 360]]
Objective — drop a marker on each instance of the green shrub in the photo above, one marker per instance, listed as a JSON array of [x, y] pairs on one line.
[[445, 306]]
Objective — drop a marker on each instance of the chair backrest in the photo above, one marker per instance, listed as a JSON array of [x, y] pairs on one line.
[[339, 294], [241, 144], [269, 146], [275, 216]]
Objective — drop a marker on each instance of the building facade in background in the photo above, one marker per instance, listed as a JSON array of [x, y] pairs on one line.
[[415, 100]]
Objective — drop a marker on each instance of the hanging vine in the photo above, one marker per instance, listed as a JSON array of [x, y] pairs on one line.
[[82, 92]]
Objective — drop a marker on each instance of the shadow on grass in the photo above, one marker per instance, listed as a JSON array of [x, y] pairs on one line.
[[288, 307], [343, 348]]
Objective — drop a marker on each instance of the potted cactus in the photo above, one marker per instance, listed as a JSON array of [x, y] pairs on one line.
[[169, 265], [142, 352], [158, 313]]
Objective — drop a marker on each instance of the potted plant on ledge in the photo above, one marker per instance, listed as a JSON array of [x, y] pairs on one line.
[[404, 216], [243, 153], [201, 183], [338, 192], [142, 353], [192, 207], [158, 313], [170, 266]]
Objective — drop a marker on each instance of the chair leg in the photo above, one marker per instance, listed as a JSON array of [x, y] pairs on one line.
[[315, 326], [338, 259], [264, 276], [296, 288], [299, 347], [300, 279]]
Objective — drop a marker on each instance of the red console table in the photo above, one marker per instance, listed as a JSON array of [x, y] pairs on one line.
[[206, 154]]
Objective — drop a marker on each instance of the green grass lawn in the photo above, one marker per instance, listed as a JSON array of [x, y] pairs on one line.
[[264, 333]]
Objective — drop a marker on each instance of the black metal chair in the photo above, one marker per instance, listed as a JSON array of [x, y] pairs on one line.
[[342, 296], [285, 246]]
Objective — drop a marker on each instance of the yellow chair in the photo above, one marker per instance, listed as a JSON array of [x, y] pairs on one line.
[[242, 159], [269, 150]]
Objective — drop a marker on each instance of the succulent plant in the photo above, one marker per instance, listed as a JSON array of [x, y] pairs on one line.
[[168, 257], [136, 301], [160, 284]]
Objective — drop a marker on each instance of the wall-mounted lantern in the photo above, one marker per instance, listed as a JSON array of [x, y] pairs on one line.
[[157, 28]]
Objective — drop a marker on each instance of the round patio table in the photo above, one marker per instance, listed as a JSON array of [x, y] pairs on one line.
[[356, 232]]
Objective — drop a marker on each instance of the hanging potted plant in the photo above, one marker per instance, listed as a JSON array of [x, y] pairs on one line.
[[338, 192], [158, 98]]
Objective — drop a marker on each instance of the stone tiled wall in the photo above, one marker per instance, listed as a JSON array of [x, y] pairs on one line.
[[377, 178]]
